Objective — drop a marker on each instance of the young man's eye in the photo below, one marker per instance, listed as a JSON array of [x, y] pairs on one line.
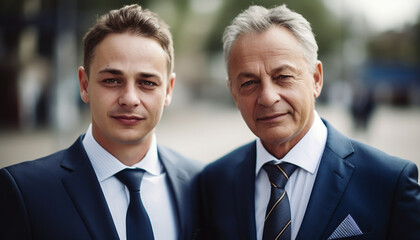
[[148, 83], [110, 81]]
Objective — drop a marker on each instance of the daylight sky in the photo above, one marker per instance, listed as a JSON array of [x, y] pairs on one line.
[[381, 15]]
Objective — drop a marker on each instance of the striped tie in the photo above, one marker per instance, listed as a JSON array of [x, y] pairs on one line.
[[278, 219]]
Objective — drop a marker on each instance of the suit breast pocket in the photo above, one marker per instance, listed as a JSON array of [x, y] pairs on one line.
[[364, 236]]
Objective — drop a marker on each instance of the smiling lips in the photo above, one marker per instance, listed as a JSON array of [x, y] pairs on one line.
[[272, 117], [128, 119]]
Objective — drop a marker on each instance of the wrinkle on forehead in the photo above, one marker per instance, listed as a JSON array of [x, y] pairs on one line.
[[266, 54]]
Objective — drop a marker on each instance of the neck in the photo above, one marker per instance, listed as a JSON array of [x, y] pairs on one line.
[[280, 148], [128, 153]]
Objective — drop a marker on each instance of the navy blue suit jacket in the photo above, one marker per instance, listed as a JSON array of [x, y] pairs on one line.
[[59, 197], [380, 192]]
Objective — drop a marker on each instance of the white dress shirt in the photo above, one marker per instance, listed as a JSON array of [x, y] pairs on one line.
[[306, 154], [155, 191]]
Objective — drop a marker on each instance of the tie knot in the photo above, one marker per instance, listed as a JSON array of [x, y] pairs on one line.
[[279, 173], [131, 178]]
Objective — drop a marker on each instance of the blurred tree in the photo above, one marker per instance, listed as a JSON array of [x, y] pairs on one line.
[[399, 45], [417, 39], [395, 46]]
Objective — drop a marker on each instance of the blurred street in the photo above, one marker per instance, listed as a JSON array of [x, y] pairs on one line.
[[205, 132]]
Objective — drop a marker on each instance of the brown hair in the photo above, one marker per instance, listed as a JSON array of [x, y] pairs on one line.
[[132, 19]]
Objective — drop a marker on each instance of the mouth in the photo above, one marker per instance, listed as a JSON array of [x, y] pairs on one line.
[[272, 117], [128, 119]]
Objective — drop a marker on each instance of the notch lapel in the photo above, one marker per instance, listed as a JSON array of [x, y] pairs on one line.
[[244, 184], [83, 187], [177, 180], [333, 176]]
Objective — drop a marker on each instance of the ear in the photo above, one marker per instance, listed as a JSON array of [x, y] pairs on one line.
[[170, 89], [318, 79], [83, 85]]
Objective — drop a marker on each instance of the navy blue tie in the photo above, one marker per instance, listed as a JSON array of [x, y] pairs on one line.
[[137, 221], [278, 219]]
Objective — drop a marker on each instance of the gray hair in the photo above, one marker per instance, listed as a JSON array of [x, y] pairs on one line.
[[259, 19]]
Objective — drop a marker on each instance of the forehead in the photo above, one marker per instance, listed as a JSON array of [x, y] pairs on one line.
[[272, 46], [127, 50]]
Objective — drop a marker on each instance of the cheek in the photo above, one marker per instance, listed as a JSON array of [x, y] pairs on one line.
[[302, 102], [299, 96], [153, 101], [98, 107], [102, 101], [247, 107]]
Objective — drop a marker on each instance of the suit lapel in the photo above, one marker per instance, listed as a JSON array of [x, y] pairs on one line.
[[334, 174], [244, 184], [177, 180], [84, 190]]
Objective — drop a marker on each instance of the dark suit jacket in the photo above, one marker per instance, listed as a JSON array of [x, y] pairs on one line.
[[380, 192], [59, 197]]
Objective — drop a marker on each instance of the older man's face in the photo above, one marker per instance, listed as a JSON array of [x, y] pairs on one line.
[[273, 87]]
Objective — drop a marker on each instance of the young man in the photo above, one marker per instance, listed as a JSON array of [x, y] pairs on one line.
[[301, 179], [83, 192]]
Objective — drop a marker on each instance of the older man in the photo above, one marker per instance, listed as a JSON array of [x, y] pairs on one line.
[[301, 178]]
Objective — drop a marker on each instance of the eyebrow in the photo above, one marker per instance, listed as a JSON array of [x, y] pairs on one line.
[[119, 72], [246, 75], [111, 70], [274, 71], [284, 67]]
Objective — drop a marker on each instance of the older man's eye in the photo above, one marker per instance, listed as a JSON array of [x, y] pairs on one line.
[[282, 76], [247, 83]]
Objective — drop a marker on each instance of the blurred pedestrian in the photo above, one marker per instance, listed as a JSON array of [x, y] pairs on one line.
[[301, 178], [362, 107], [114, 182]]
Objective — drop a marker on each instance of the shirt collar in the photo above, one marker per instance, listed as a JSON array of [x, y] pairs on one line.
[[106, 165], [306, 154]]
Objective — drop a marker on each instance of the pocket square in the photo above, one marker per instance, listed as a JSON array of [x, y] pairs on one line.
[[347, 228]]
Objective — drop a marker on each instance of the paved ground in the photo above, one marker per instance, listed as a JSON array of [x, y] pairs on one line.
[[206, 132]]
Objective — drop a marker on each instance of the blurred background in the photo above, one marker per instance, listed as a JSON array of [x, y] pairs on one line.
[[370, 51]]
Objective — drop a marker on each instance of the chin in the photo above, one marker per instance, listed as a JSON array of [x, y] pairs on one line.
[[129, 137], [130, 140], [274, 135]]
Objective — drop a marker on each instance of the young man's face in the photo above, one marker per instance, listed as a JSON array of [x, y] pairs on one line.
[[127, 89]]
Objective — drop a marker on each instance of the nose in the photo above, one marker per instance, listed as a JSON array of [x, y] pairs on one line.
[[268, 95], [129, 97]]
